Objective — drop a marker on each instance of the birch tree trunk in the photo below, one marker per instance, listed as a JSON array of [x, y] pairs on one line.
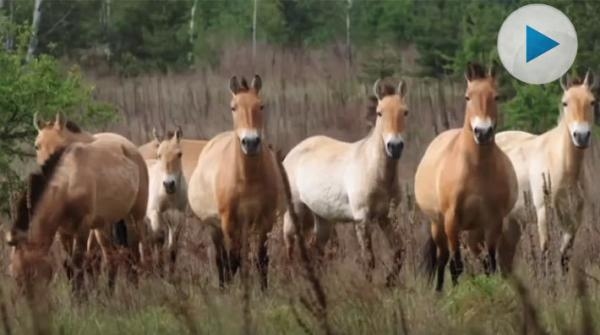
[[254, 31], [348, 44], [37, 15], [192, 29]]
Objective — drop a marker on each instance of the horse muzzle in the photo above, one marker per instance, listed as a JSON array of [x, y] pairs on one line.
[[251, 145], [394, 149], [170, 186], [581, 139], [483, 135]]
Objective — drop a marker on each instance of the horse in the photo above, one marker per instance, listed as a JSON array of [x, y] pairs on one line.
[[167, 192], [334, 181], [57, 134], [236, 187], [553, 162], [190, 150], [464, 182], [81, 187]]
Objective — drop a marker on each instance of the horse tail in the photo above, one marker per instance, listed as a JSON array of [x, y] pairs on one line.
[[429, 261]]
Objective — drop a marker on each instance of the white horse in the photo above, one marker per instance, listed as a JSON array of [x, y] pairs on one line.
[[554, 159], [167, 193], [334, 181]]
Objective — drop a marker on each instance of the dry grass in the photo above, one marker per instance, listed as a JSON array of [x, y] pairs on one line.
[[311, 94]]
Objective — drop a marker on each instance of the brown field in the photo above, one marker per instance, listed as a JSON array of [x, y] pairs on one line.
[[307, 94]]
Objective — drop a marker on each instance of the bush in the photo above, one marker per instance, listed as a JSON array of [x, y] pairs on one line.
[[40, 86]]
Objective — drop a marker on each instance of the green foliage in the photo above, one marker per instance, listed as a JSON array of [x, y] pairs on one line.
[[534, 107], [40, 86]]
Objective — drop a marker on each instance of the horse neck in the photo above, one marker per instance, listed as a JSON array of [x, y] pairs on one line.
[[83, 136], [46, 220], [249, 168], [378, 164], [569, 156], [470, 148]]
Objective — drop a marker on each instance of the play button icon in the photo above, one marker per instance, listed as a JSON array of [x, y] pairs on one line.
[[537, 44]]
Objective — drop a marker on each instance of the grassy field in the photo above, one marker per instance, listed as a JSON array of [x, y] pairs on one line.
[[313, 94]]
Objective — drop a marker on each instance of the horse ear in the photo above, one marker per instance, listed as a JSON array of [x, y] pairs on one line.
[[155, 135], [492, 71], [234, 85], [590, 79], [401, 90], [564, 80], [37, 123], [469, 72], [178, 133], [256, 84], [371, 114], [377, 89], [60, 121]]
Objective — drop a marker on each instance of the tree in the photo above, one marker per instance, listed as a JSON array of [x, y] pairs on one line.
[[38, 86]]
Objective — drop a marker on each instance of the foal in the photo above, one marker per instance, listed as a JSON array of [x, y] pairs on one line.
[[168, 192], [465, 182], [236, 186]]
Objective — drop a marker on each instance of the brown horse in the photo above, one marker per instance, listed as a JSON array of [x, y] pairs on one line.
[[465, 182], [237, 182], [81, 187], [57, 134]]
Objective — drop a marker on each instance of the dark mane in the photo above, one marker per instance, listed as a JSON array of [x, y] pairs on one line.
[[38, 181], [475, 71], [575, 82], [73, 127], [21, 210]]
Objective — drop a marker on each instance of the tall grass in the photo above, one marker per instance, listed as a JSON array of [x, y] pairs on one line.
[[307, 94]]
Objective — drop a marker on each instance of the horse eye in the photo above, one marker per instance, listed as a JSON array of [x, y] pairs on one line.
[[262, 107], [233, 108], [37, 147], [496, 98], [467, 98], [564, 104], [379, 114], [179, 154], [593, 103], [405, 113]]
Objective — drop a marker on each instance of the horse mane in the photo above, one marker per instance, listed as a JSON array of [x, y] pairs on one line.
[[38, 181], [476, 71], [21, 212], [73, 127], [575, 82]]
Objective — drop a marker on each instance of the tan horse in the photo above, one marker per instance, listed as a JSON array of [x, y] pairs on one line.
[[334, 181], [190, 150], [59, 133], [167, 193], [236, 186], [465, 182], [81, 187], [556, 156]]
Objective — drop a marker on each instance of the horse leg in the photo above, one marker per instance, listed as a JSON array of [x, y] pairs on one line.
[[363, 233], [441, 241], [507, 246], [322, 231], [543, 236], [109, 256], [492, 236], [67, 242], [232, 239], [570, 225], [134, 228], [262, 259], [395, 243], [220, 257], [452, 234], [475, 240], [174, 231], [78, 259]]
